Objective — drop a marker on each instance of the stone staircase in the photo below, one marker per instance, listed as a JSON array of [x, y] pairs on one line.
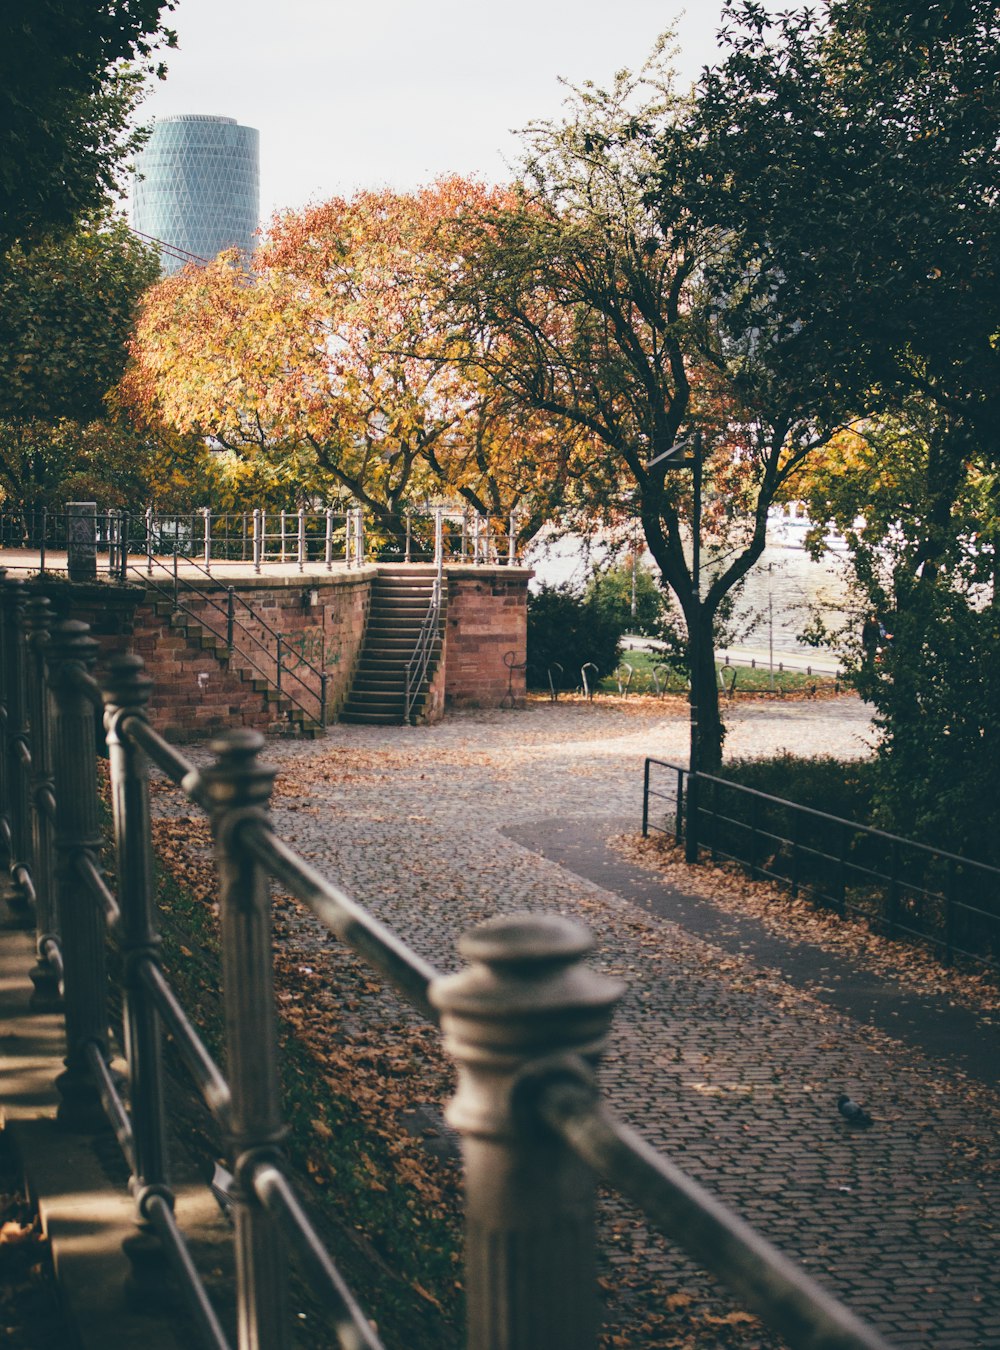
[[400, 599], [279, 714]]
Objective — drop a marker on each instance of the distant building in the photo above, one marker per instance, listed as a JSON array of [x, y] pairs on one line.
[[197, 186]]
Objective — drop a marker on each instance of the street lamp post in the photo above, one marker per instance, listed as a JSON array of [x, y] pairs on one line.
[[674, 460]]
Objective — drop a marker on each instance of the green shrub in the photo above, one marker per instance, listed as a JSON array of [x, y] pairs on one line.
[[839, 787], [567, 629]]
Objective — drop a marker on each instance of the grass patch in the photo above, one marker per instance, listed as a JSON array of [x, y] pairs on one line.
[[648, 672]]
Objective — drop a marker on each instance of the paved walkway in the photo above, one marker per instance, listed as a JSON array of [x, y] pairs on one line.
[[721, 1055]]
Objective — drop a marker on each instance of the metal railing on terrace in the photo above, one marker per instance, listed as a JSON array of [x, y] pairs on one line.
[[302, 538], [525, 1020], [900, 888]]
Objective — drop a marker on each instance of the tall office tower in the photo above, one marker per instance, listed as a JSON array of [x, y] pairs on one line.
[[197, 186]]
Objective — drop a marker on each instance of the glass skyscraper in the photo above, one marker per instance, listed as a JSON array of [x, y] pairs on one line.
[[197, 186]]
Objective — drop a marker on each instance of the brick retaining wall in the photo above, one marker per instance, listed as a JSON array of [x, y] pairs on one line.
[[487, 617], [322, 618]]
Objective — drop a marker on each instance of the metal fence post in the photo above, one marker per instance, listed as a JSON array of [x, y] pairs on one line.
[[645, 800], [258, 523], [45, 977], [328, 540], [238, 788], [123, 547], [525, 1004], [72, 652], [302, 538], [126, 695], [15, 750]]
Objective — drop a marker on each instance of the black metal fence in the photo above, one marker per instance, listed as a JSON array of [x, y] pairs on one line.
[[525, 1020], [901, 888]]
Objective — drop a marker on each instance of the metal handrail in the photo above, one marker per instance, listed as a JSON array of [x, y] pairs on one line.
[[277, 1194], [517, 1018], [231, 624], [206, 1074], [419, 662], [344, 917], [471, 539], [766, 1281], [891, 879]]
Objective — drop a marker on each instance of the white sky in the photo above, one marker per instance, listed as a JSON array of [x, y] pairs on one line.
[[348, 94]]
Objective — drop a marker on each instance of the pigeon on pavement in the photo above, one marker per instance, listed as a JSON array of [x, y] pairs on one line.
[[853, 1113]]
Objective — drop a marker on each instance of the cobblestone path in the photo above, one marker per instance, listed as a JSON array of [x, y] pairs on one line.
[[717, 1061]]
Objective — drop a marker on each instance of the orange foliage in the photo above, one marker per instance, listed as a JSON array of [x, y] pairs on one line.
[[339, 344]]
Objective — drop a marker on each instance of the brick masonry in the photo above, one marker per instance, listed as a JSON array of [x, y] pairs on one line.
[[486, 618], [321, 618]]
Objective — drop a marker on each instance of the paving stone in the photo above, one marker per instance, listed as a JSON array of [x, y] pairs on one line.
[[720, 1064]]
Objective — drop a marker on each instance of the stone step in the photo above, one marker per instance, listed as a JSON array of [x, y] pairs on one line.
[[371, 718]]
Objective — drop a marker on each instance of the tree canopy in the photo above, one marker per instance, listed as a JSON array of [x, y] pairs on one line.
[[71, 72], [851, 152], [598, 289], [334, 350], [66, 313]]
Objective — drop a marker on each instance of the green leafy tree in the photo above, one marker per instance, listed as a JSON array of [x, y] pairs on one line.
[[851, 151], [921, 515], [71, 73], [565, 631], [66, 311], [629, 594]]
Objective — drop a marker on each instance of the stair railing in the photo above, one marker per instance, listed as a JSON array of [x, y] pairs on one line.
[[419, 663], [255, 650]]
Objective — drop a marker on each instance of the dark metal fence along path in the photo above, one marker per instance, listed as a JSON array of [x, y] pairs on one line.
[[904, 889]]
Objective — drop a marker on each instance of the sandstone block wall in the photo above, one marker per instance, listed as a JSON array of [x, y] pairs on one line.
[[321, 617], [487, 617]]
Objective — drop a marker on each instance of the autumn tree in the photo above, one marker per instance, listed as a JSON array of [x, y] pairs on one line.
[[332, 352], [599, 295]]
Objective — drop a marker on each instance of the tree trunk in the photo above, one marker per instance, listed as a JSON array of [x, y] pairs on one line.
[[704, 691]]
